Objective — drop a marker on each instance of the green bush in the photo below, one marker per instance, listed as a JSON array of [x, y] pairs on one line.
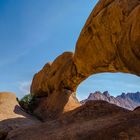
[[27, 98], [27, 103]]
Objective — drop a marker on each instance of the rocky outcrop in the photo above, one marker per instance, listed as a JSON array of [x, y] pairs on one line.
[[133, 96], [129, 101], [109, 42], [95, 120], [54, 88], [11, 115]]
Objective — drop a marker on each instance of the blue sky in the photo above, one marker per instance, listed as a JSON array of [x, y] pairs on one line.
[[34, 32], [115, 83]]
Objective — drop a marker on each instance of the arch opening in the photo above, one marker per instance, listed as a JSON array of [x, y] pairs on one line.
[[119, 88]]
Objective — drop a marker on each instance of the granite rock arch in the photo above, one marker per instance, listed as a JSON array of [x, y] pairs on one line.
[[109, 42]]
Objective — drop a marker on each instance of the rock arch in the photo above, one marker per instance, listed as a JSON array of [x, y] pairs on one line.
[[109, 42]]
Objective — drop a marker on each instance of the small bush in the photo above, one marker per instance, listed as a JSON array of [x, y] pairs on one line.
[[26, 103], [27, 98]]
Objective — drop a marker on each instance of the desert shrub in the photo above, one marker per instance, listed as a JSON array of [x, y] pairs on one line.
[[26, 98], [27, 103]]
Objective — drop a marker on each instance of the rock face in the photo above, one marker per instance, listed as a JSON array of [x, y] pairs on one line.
[[11, 115], [109, 42], [95, 120], [54, 88], [129, 101]]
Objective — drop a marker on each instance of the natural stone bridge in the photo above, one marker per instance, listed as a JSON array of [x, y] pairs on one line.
[[109, 42]]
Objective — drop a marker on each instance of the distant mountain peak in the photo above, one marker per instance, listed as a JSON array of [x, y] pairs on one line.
[[106, 93], [126, 100]]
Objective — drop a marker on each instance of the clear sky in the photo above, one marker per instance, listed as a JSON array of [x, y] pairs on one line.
[[34, 32]]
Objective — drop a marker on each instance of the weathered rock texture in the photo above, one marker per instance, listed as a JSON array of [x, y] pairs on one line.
[[96, 120], [109, 42], [11, 115]]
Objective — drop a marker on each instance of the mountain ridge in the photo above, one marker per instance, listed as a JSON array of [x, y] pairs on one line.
[[126, 100]]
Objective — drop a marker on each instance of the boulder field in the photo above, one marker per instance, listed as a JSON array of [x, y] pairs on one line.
[[109, 42]]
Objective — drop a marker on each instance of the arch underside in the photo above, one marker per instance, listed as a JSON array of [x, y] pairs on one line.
[[109, 42]]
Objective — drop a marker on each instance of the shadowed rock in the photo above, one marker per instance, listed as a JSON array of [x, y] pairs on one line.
[[12, 115], [96, 120]]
